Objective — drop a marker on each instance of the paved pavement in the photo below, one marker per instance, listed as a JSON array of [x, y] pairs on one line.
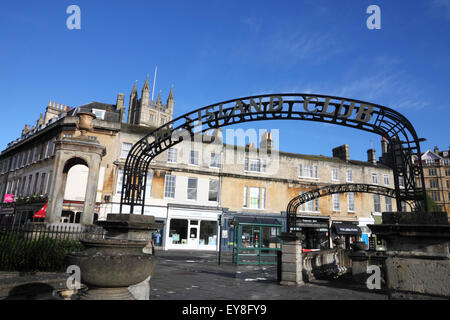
[[189, 275], [194, 275]]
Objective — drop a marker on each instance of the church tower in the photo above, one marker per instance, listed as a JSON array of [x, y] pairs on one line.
[[133, 105], [170, 103]]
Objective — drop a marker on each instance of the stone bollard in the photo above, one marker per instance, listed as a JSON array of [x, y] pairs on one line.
[[291, 259]]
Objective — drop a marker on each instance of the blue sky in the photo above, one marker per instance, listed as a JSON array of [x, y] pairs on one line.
[[214, 50]]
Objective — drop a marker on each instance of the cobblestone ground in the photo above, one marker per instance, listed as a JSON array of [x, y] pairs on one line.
[[185, 275]]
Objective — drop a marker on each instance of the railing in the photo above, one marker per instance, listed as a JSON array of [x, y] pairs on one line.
[[39, 247]]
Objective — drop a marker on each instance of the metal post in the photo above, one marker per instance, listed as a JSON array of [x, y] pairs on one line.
[[220, 237]]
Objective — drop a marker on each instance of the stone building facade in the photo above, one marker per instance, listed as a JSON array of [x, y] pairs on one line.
[[436, 168], [194, 185]]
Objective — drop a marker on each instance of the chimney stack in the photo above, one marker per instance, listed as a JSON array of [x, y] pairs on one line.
[[371, 156], [342, 152], [266, 142], [436, 150]]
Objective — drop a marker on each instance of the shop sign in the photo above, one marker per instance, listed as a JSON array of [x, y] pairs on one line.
[[8, 198]]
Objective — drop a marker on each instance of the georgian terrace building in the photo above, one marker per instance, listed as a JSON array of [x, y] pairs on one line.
[[191, 186]]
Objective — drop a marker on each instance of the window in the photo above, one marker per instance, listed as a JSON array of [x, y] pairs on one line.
[[310, 206], [22, 192], [432, 172], [213, 190], [29, 157], [388, 202], [126, 147], [376, 203], [169, 186], [374, 179], [50, 175], [53, 146], [172, 154], [42, 187], [447, 173], [48, 149], [334, 174], [351, 201], [435, 195], [448, 183], [36, 178], [254, 198], [40, 151], [24, 158], [192, 188], [99, 114], [401, 182], [263, 198], [34, 154], [18, 161], [434, 183], [30, 178], [446, 162], [208, 233], [119, 182], [349, 175], [193, 159], [13, 163], [148, 185], [449, 196], [336, 202], [255, 165], [215, 160], [245, 197], [403, 204], [386, 180]]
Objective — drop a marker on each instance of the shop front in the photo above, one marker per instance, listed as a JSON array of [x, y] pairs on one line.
[[191, 229], [344, 233], [316, 232]]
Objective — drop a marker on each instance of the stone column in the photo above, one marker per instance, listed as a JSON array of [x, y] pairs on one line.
[[291, 259], [56, 194], [87, 217]]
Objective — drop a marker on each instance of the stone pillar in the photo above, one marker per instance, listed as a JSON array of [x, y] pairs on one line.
[[87, 217], [291, 259], [418, 259], [56, 193]]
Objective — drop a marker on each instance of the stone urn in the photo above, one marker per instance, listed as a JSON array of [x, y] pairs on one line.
[[116, 260], [85, 122]]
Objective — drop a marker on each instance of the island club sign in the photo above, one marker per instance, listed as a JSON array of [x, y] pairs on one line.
[[277, 107]]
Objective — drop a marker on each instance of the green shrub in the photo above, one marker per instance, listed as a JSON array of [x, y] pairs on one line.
[[43, 254]]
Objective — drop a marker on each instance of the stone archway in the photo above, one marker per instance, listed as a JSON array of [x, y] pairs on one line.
[[70, 151]]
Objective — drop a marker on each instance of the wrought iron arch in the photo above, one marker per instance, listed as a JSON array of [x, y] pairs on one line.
[[293, 205], [402, 139]]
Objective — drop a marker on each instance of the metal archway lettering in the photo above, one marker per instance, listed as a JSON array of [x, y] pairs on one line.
[[400, 134], [293, 205]]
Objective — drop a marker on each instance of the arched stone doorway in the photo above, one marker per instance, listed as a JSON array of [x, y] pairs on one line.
[[71, 152]]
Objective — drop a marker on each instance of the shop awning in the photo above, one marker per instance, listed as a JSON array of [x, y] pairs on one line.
[[256, 220], [346, 228], [41, 213]]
